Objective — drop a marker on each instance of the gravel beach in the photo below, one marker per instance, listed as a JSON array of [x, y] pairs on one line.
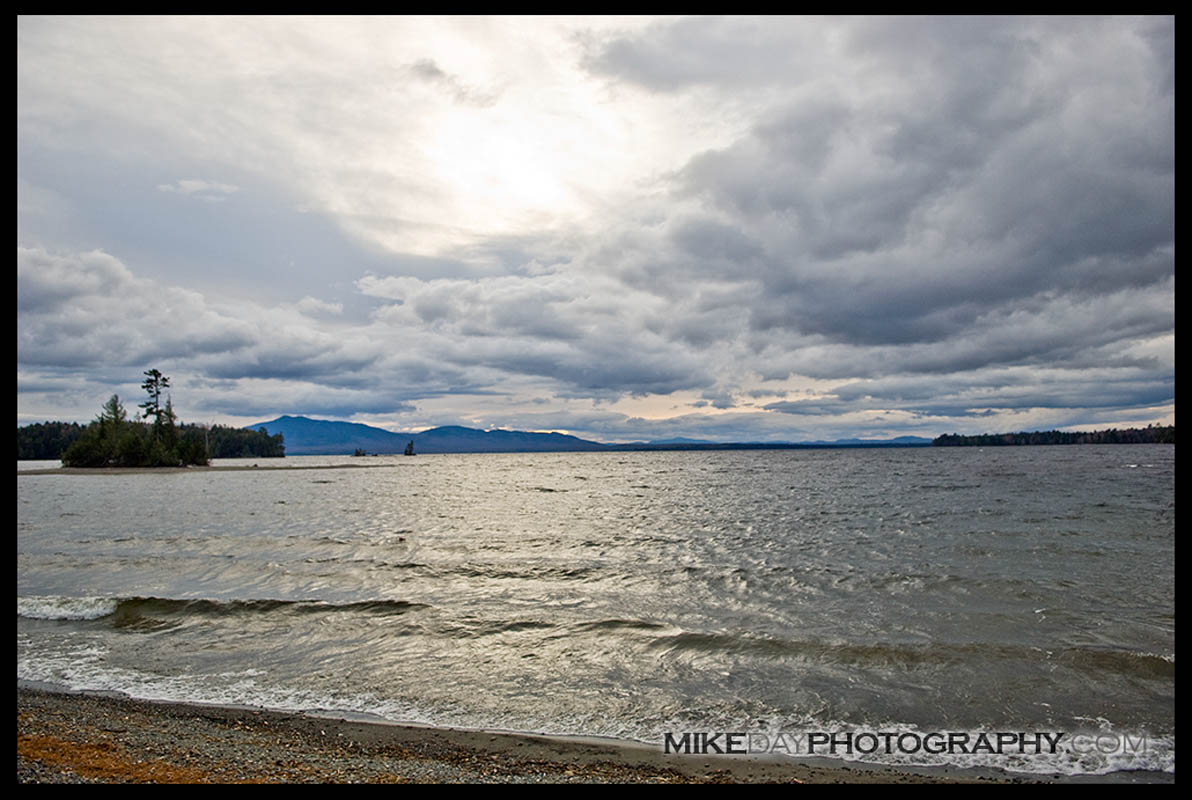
[[86, 738]]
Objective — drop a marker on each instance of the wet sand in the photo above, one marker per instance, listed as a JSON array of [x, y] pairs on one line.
[[90, 738]]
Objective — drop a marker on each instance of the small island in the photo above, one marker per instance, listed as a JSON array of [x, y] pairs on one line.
[[113, 440]]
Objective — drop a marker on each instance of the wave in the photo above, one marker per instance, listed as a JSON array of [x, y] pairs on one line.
[[1137, 665], [66, 608], [502, 571], [1120, 662], [128, 610], [620, 624]]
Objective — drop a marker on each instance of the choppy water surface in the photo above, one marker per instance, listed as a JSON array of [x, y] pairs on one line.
[[631, 594]]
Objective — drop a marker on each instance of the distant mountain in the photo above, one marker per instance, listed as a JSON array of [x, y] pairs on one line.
[[308, 437], [456, 439], [906, 440]]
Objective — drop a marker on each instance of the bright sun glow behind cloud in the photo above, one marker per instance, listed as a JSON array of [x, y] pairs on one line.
[[530, 142]]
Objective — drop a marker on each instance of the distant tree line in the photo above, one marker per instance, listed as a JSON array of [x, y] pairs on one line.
[[44, 441], [244, 443], [113, 440], [1151, 434], [48, 441]]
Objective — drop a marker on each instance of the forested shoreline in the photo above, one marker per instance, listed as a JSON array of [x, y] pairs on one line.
[[1152, 434]]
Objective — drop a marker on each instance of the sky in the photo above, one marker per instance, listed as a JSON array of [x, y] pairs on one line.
[[731, 229]]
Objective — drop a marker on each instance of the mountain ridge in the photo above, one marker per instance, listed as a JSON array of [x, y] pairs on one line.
[[306, 436]]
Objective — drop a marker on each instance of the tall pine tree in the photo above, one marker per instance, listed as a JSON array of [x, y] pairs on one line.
[[155, 383]]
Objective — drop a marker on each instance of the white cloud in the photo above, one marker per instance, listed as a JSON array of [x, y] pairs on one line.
[[210, 191], [315, 307]]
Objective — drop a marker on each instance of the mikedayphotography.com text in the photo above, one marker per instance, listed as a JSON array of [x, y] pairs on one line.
[[854, 743]]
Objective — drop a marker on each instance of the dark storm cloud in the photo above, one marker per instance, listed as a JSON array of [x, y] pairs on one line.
[[586, 332], [983, 191], [974, 394], [314, 404], [721, 400], [915, 252], [288, 360], [695, 51], [1074, 331], [607, 369]]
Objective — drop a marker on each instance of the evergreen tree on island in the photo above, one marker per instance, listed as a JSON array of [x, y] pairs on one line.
[[155, 383]]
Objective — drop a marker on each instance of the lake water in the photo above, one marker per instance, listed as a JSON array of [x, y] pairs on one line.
[[949, 591]]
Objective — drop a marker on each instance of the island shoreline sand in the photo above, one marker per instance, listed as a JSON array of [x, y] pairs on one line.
[[107, 738], [193, 470]]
